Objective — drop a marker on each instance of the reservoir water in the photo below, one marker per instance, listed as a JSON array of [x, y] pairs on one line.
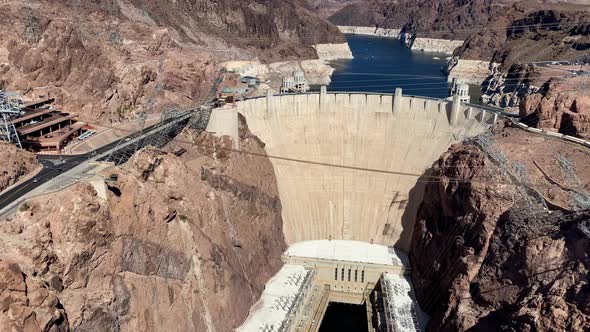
[[382, 64]]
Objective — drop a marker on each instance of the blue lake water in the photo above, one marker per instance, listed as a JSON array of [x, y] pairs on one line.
[[382, 64]]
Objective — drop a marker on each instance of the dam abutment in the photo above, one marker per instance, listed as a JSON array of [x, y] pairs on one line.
[[349, 165]]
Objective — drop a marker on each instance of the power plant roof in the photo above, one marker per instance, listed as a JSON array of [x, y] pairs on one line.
[[349, 251], [278, 301]]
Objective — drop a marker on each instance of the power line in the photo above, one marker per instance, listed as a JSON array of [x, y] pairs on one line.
[[496, 28], [540, 25], [444, 86], [425, 77], [314, 38], [422, 178]]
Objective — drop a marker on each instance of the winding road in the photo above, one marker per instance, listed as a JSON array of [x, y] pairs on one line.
[[56, 165]]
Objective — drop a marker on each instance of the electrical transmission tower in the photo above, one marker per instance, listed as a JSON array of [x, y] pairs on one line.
[[141, 119], [514, 172], [200, 119], [10, 108], [169, 126], [218, 80]]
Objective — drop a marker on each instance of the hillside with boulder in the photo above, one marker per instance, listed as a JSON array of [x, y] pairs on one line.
[[186, 241], [502, 238], [15, 164]]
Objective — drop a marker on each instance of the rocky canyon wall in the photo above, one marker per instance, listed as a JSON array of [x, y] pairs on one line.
[[547, 96], [15, 164], [435, 45], [439, 19], [486, 255], [370, 31], [507, 89], [177, 241], [560, 107], [504, 33], [110, 60]]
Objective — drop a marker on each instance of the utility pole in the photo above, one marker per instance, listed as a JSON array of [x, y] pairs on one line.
[[142, 118]]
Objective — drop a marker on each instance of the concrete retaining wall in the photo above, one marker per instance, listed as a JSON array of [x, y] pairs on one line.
[[553, 134], [348, 166]]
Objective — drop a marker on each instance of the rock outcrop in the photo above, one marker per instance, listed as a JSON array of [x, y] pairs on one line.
[[486, 255], [469, 71], [547, 96], [507, 89], [15, 164], [329, 52], [563, 105], [185, 241], [435, 45]]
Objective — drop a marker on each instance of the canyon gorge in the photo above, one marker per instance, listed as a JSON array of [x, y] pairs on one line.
[[486, 254], [177, 241], [485, 211], [496, 40], [109, 60]]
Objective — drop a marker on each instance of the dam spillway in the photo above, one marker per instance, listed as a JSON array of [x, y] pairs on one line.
[[348, 165]]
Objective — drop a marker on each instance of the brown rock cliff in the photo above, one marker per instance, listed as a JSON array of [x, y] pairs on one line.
[[109, 60], [486, 255], [185, 241], [505, 32], [15, 164], [563, 105]]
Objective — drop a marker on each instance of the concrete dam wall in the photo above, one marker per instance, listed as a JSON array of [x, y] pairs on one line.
[[349, 165]]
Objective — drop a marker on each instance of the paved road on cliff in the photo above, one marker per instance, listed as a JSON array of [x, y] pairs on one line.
[[55, 165]]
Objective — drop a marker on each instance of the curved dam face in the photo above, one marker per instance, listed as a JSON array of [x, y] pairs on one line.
[[348, 166]]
